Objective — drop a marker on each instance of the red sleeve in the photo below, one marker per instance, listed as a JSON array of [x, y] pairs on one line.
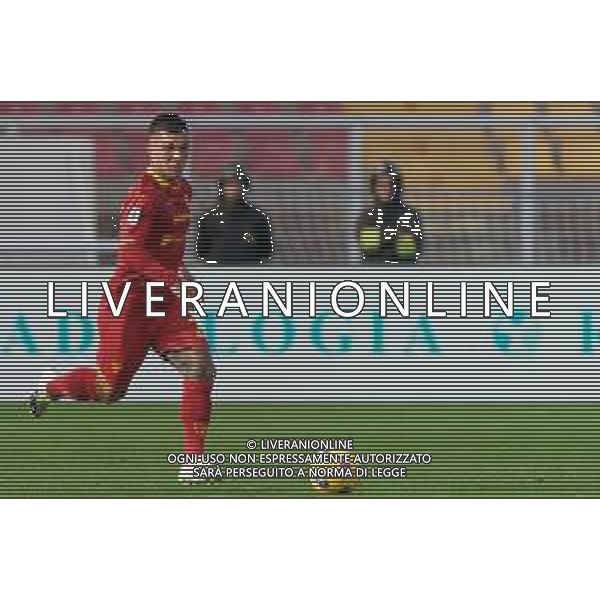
[[136, 224]]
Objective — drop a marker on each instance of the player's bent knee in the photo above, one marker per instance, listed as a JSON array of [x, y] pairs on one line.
[[194, 364], [208, 371], [202, 373]]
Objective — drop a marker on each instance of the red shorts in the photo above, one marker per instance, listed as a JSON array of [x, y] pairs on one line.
[[124, 341]]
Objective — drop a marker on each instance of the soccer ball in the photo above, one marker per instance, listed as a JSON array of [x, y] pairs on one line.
[[329, 480]]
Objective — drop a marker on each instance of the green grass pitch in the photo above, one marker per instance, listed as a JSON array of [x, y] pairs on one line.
[[479, 450]]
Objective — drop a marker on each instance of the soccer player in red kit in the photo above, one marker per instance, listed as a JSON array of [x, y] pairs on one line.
[[154, 221]]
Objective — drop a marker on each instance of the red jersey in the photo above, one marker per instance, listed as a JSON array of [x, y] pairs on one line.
[[154, 222]]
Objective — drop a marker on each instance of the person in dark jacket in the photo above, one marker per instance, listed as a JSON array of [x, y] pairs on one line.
[[390, 231], [234, 232]]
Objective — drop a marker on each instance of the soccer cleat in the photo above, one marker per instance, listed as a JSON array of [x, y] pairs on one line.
[[38, 404], [194, 474], [39, 401]]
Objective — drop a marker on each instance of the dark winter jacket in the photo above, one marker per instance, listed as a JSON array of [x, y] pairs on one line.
[[234, 233]]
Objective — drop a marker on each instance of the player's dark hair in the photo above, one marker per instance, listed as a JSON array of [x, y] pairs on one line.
[[170, 123]]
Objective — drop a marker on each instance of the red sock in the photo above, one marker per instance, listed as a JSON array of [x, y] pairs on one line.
[[79, 384], [195, 414], [194, 435]]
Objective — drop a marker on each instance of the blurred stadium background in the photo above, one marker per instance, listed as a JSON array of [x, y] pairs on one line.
[[494, 182], [503, 189]]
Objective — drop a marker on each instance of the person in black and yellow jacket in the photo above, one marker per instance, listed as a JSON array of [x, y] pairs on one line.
[[389, 231]]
